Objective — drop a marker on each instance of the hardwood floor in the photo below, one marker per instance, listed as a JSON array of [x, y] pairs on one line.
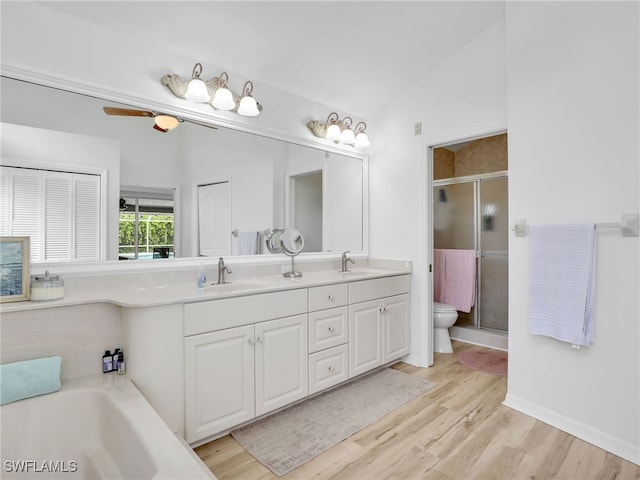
[[457, 430]]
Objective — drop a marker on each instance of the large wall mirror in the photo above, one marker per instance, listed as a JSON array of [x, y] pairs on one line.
[[221, 189]]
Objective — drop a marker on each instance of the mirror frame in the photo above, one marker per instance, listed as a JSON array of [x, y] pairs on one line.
[[139, 266]]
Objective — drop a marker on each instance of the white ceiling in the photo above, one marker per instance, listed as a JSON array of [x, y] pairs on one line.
[[351, 55]]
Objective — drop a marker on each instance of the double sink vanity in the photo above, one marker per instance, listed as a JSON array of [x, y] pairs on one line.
[[213, 358], [252, 346]]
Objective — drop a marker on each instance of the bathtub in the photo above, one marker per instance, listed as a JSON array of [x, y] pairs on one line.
[[98, 426]]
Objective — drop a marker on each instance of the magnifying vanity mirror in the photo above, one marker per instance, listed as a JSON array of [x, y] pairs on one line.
[[222, 190], [290, 242]]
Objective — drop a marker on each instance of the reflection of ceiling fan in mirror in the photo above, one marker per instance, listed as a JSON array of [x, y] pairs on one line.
[[162, 122]]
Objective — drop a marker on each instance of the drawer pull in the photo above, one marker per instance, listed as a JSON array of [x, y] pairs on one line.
[[332, 369], [331, 329], [332, 298]]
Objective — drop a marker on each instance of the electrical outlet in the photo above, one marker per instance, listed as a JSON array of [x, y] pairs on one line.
[[417, 128]]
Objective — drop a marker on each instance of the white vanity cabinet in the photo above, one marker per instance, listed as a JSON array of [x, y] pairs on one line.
[[248, 363], [378, 322]]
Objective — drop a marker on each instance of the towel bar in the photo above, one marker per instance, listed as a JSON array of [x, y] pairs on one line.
[[629, 225]]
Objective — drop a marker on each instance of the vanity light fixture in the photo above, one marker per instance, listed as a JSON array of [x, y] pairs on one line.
[[197, 89], [223, 98], [347, 137], [214, 91], [362, 140], [339, 131], [248, 105]]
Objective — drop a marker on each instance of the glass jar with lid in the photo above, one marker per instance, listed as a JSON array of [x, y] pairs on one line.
[[46, 287]]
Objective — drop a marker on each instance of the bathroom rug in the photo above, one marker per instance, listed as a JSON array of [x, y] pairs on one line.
[[493, 362], [287, 439]]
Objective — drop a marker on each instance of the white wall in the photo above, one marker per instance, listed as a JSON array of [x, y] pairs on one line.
[[574, 157], [461, 98]]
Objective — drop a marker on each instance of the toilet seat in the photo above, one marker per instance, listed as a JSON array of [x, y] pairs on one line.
[[443, 308]]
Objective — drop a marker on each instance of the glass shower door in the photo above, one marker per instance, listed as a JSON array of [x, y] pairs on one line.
[[494, 254], [454, 225]]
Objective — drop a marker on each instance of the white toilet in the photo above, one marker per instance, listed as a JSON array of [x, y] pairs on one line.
[[444, 316]]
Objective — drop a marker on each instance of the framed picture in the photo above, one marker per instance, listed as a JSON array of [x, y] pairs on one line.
[[15, 281]]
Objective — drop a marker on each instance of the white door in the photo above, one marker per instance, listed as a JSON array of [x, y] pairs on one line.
[[214, 219], [396, 327], [365, 337], [282, 362], [219, 381]]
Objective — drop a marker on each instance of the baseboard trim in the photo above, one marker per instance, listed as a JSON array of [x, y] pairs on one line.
[[600, 439]]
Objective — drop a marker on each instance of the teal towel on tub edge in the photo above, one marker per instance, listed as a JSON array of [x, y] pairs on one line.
[[29, 378]]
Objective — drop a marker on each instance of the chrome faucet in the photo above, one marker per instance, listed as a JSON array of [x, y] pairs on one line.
[[222, 268], [345, 260]]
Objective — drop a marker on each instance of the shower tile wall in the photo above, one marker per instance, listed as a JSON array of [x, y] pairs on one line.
[[480, 156]]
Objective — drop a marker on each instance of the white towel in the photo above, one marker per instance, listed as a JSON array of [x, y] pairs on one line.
[[247, 243], [562, 282]]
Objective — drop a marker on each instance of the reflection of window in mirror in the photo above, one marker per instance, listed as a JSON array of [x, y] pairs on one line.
[[146, 224]]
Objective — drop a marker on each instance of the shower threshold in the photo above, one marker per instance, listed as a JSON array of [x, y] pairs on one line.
[[480, 336]]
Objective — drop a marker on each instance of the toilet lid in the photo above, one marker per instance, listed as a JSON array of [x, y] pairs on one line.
[[443, 308]]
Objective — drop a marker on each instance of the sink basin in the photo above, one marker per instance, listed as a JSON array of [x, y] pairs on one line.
[[239, 286], [356, 273]]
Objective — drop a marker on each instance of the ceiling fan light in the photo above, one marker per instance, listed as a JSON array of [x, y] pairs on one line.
[[166, 122], [333, 133], [248, 107], [223, 99], [362, 140], [347, 137], [197, 91]]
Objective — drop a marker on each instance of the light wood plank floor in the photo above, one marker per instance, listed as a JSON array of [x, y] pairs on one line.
[[457, 430]]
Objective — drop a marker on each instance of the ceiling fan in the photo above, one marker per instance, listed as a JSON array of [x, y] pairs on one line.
[[162, 122]]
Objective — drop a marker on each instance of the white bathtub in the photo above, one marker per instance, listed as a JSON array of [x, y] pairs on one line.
[[95, 427]]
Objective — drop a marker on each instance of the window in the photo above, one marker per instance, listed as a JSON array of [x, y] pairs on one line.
[[146, 225], [59, 211]]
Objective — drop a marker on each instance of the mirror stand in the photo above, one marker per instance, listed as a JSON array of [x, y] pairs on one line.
[[292, 273]]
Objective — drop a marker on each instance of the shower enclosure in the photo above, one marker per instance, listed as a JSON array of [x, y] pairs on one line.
[[472, 213]]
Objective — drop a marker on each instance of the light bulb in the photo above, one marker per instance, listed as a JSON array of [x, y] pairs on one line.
[[197, 91], [248, 107], [362, 140], [223, 99], [347, 137], [333, 133]]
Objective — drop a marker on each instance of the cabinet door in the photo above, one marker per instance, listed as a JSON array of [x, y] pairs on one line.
[[365, 337], [396, 327], [219, 381], [282, 362]]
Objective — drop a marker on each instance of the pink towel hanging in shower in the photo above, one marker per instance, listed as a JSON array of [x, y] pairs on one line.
[[455, 278]]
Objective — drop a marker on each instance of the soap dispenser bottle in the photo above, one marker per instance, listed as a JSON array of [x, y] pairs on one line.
[[202, 276]]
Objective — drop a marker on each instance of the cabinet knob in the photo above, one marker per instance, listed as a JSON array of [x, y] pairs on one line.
[[260, 340], [332, 369], [252, 341], [331, 329], [331, 297]]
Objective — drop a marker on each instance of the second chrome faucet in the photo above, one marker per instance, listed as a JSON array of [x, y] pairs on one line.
[[222, 269], [346, 260]]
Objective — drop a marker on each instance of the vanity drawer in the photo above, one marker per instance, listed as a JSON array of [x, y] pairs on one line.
[[328, 368], [328, 328], [328, 296], [366, 290], [214, 315]]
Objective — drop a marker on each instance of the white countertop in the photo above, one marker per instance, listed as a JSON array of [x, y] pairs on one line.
[[125, 294]]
